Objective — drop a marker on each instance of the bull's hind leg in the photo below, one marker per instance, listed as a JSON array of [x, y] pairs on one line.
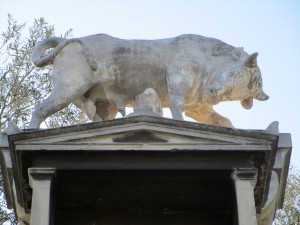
[[88, 106], [58, 99], [72, 77], [106, 110]]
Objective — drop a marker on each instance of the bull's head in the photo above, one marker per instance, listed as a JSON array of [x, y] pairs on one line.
[[240, 80], [255, 84]]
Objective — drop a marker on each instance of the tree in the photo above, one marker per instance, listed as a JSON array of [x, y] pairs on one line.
[[290, 214], [6, 215], [22, 85]]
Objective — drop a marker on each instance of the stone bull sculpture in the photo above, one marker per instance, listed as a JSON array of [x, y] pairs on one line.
[[102, 74]]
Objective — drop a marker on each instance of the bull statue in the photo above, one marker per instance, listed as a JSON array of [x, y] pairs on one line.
[[102, 75]]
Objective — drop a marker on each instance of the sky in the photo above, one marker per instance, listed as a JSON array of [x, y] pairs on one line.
[[269, 27]]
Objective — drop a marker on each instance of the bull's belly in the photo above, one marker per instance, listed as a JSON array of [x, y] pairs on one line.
[[131, 77], [139, 81]]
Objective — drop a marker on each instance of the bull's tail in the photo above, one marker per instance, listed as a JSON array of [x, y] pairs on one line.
[[40, 60]]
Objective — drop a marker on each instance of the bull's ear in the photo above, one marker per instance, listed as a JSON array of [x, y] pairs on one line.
[[251, 61], [247, 103], [238, 53]]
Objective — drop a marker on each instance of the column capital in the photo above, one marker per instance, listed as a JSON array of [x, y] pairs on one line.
[[40, 174], [244, 174]]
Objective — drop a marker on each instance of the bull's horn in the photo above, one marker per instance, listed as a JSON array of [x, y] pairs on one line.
[[262, 96], [251, 61]]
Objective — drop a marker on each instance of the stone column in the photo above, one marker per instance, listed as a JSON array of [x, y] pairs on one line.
[[40, 180], [245, 181]]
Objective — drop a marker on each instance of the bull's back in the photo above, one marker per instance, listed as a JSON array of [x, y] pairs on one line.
[[131, 66], [104, 47]]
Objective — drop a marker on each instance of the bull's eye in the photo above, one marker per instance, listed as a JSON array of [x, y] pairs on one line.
[[259, 84]]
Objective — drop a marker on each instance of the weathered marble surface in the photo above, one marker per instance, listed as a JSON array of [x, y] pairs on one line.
[[102, 74], [147, 103]]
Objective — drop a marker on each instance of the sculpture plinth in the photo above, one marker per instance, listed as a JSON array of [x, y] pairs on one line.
[[148, 170]]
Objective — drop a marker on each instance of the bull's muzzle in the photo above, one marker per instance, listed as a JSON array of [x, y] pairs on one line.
[[262, 96]]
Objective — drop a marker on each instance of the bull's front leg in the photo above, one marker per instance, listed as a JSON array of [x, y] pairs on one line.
[[206, 114], [178, 86], [176, 106]]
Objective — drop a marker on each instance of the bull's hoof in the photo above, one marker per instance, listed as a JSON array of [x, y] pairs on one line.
[[97, 118]]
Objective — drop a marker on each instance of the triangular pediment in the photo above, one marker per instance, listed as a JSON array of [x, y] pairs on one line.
[[144, 133], [140, 144]]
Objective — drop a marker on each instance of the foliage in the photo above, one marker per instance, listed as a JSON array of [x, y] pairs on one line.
[[22, 85], [5, 214], [290, 214]]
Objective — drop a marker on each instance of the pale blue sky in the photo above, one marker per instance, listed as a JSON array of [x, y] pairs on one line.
[[269, 27]]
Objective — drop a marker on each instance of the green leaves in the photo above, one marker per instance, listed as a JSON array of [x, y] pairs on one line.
[[290, 214], [22, 86], [6, 215]]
